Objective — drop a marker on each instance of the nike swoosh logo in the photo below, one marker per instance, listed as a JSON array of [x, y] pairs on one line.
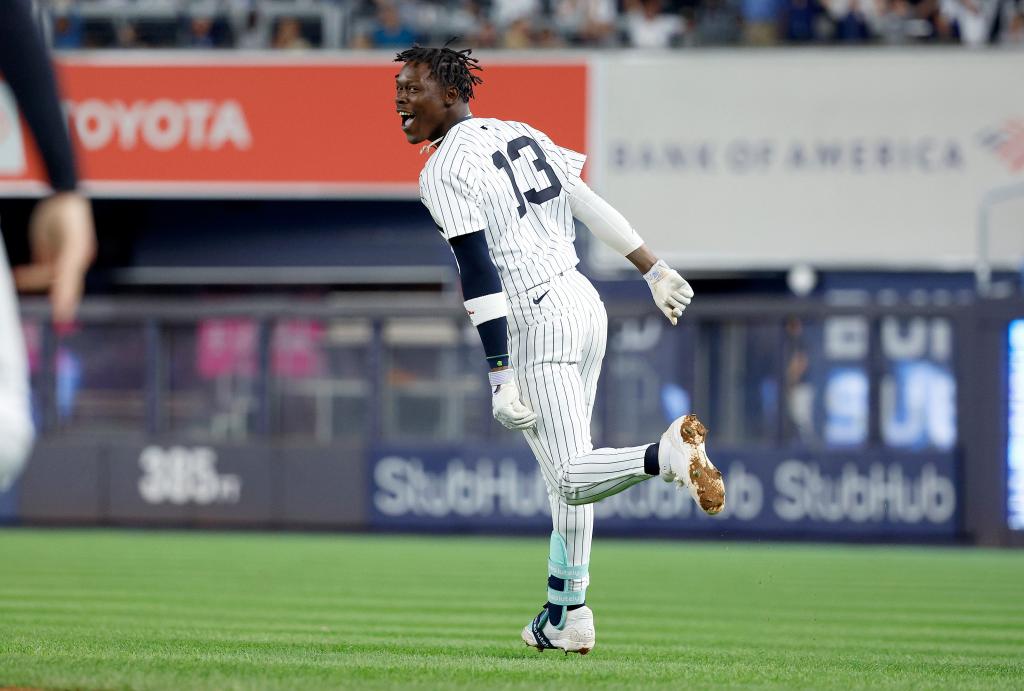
[[536, 301]]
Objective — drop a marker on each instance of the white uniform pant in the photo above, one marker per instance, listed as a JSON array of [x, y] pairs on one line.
[[16, 429], [557, 334]]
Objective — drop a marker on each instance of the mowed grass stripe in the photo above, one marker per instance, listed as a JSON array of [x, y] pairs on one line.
[[876, 631], [108, 609], [953, 624], [934, 651], [229, 652], [297, 653], [897, 641], [331, 670], [959, 616], [879, 633], [172, 588]]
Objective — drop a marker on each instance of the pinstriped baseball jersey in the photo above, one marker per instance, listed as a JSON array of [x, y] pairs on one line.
[[512, 182]]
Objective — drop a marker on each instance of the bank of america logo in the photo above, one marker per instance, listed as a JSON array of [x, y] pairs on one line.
[[12, 150], [1006, 142]]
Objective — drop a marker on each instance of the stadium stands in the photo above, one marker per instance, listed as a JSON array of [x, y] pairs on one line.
[[518, 24]]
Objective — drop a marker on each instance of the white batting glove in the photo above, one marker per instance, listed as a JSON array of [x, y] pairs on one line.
[[670, 290], [506, 403]]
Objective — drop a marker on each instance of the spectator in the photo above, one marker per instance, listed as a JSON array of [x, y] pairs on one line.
[[389, 30], [484, 33], [127, 36], [919, 19], [525, 24], [980, 22], [893, 24], [801, 21], [518, 35], [255, 35], [718, 23], [1015, 34], [760, 22], [799, 396], [361, 41], [588, 22], [647, 27], [1009, 24], [464, 19], [289, 35], [200, 32], [68, 29], [971, 20], [856, 21], [547, 37], [506, 12]]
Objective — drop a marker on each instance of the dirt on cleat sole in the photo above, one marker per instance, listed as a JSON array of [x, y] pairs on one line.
[[706, 479]]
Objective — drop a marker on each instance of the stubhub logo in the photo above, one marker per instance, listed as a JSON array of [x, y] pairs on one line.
[[12, 148], [769, 493], [404, 487]]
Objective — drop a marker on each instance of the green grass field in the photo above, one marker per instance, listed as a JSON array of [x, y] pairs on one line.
[[142, 610]]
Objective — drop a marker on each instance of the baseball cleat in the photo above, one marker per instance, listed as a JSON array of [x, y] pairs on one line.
[[576, 636], [685, 462]]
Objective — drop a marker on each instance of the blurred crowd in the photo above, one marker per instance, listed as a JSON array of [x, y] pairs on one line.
[[524, 24]]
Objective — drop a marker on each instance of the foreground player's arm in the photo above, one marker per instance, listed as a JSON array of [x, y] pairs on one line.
[[451, 195], [488, 310], [670, 291], [61, 227]]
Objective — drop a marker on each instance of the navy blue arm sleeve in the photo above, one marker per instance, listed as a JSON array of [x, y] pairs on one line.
[[479, 277], [26, 68]]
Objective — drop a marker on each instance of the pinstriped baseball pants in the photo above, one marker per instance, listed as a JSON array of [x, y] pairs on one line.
[[557, 333]]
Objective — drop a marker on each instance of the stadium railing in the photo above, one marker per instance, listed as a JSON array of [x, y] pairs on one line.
[[781, 375]]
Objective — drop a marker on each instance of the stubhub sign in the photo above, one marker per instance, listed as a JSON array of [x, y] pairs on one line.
[[768, 493]]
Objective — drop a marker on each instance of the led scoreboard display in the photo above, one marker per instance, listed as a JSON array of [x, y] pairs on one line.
[[1015, 427]]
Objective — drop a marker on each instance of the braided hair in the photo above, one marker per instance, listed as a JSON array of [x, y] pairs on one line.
[[449, 67]]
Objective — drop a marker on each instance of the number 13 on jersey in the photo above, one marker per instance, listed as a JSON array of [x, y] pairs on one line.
[[534, 196]]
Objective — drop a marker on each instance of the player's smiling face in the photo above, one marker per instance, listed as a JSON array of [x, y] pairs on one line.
[[425, 108]]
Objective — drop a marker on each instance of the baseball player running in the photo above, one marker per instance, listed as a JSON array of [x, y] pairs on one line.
[[61, 227], [504, 196]]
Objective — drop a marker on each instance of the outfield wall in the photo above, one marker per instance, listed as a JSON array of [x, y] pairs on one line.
[[900, 429], [493, 489]]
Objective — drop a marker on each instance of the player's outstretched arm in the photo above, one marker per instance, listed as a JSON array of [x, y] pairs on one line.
[[670, 291], [61, 228], [488, 309]]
